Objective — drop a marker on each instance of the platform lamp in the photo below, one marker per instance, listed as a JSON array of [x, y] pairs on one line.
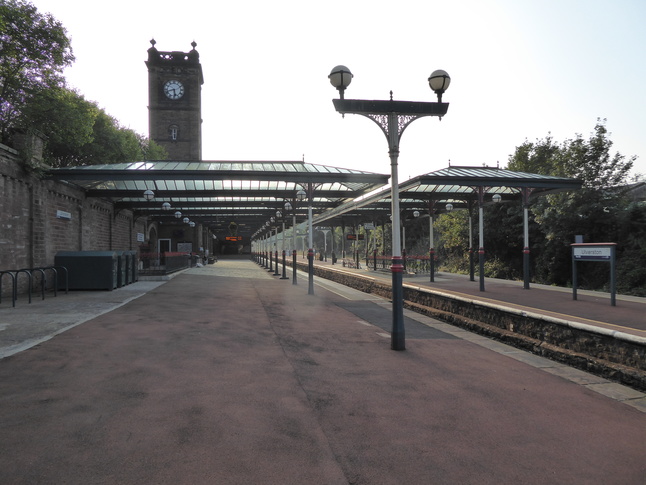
[[289, 207], [267, 247], [392, 117], [302, 195], [149, 195], [481, 251], [270, 260], [281, 217], [272, 219]]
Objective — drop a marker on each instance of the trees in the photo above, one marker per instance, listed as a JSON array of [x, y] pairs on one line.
[[600, 211], [80, 133], [35, 49], [452, 230], [33, 96], [66, 119]]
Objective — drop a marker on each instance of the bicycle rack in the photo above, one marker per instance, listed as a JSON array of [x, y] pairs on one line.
[[43, 281], [14, 290]]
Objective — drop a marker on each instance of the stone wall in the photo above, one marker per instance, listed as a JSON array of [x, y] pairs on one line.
[[39, 218]]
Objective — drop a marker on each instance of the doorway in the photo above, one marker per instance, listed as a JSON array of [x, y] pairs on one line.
[[163, 247]]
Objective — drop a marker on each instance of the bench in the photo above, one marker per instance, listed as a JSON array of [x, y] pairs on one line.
[[350, 263]]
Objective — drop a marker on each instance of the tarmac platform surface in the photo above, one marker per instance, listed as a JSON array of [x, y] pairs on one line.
[[226, 374]]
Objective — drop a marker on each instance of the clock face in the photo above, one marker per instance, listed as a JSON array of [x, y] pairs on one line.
[[174, 89]]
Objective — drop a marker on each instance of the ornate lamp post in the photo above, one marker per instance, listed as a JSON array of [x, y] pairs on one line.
[[392, 117], [431, 238], [301, 195], [281, 216], [273, 220], [267, 245], [481, 251], [292, 207], [272, 243], [325, 233]]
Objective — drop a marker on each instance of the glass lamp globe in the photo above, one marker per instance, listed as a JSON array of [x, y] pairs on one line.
[[340, 77], [439, 82]]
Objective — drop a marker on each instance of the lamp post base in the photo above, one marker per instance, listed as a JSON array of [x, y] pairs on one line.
[[397, 337], [310, 271], [284, 277]]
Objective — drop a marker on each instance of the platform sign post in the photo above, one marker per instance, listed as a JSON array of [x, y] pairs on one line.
[[604, 252]]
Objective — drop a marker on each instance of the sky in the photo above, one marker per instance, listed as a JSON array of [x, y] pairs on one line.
[[520, 70]]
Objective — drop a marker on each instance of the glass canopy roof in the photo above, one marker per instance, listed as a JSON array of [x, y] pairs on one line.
[[250, 192], [460, 186], [211, 191]]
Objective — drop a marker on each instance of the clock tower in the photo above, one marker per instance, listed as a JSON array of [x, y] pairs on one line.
[[175, 102]]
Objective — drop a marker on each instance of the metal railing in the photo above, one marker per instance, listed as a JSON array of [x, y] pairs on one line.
[[412, 264], [165, 262]]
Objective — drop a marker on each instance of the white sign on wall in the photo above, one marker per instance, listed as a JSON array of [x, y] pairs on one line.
[[185, 247]]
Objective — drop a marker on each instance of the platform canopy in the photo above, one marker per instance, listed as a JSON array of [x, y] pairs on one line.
[[462, 187], [216, 193]]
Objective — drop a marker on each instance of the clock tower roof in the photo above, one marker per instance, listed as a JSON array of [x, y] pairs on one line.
[[174, 58]]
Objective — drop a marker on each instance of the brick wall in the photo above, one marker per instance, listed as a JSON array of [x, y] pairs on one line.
[[31, 234]]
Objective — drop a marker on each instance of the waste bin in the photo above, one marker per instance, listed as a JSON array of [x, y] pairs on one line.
[[89, 270], [121, 268], [128, 255], [134, 266]]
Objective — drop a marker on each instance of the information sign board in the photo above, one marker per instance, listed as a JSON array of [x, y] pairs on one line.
[[592, 253], [604, 252], [184, 247]]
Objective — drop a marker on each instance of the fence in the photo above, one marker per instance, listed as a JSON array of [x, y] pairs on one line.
[[165, 263], [412, 264]]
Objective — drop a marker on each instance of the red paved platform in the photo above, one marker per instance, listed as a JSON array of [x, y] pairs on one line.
[[226, 374]]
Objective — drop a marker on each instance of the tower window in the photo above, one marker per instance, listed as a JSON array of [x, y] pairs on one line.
[[173, 131]]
